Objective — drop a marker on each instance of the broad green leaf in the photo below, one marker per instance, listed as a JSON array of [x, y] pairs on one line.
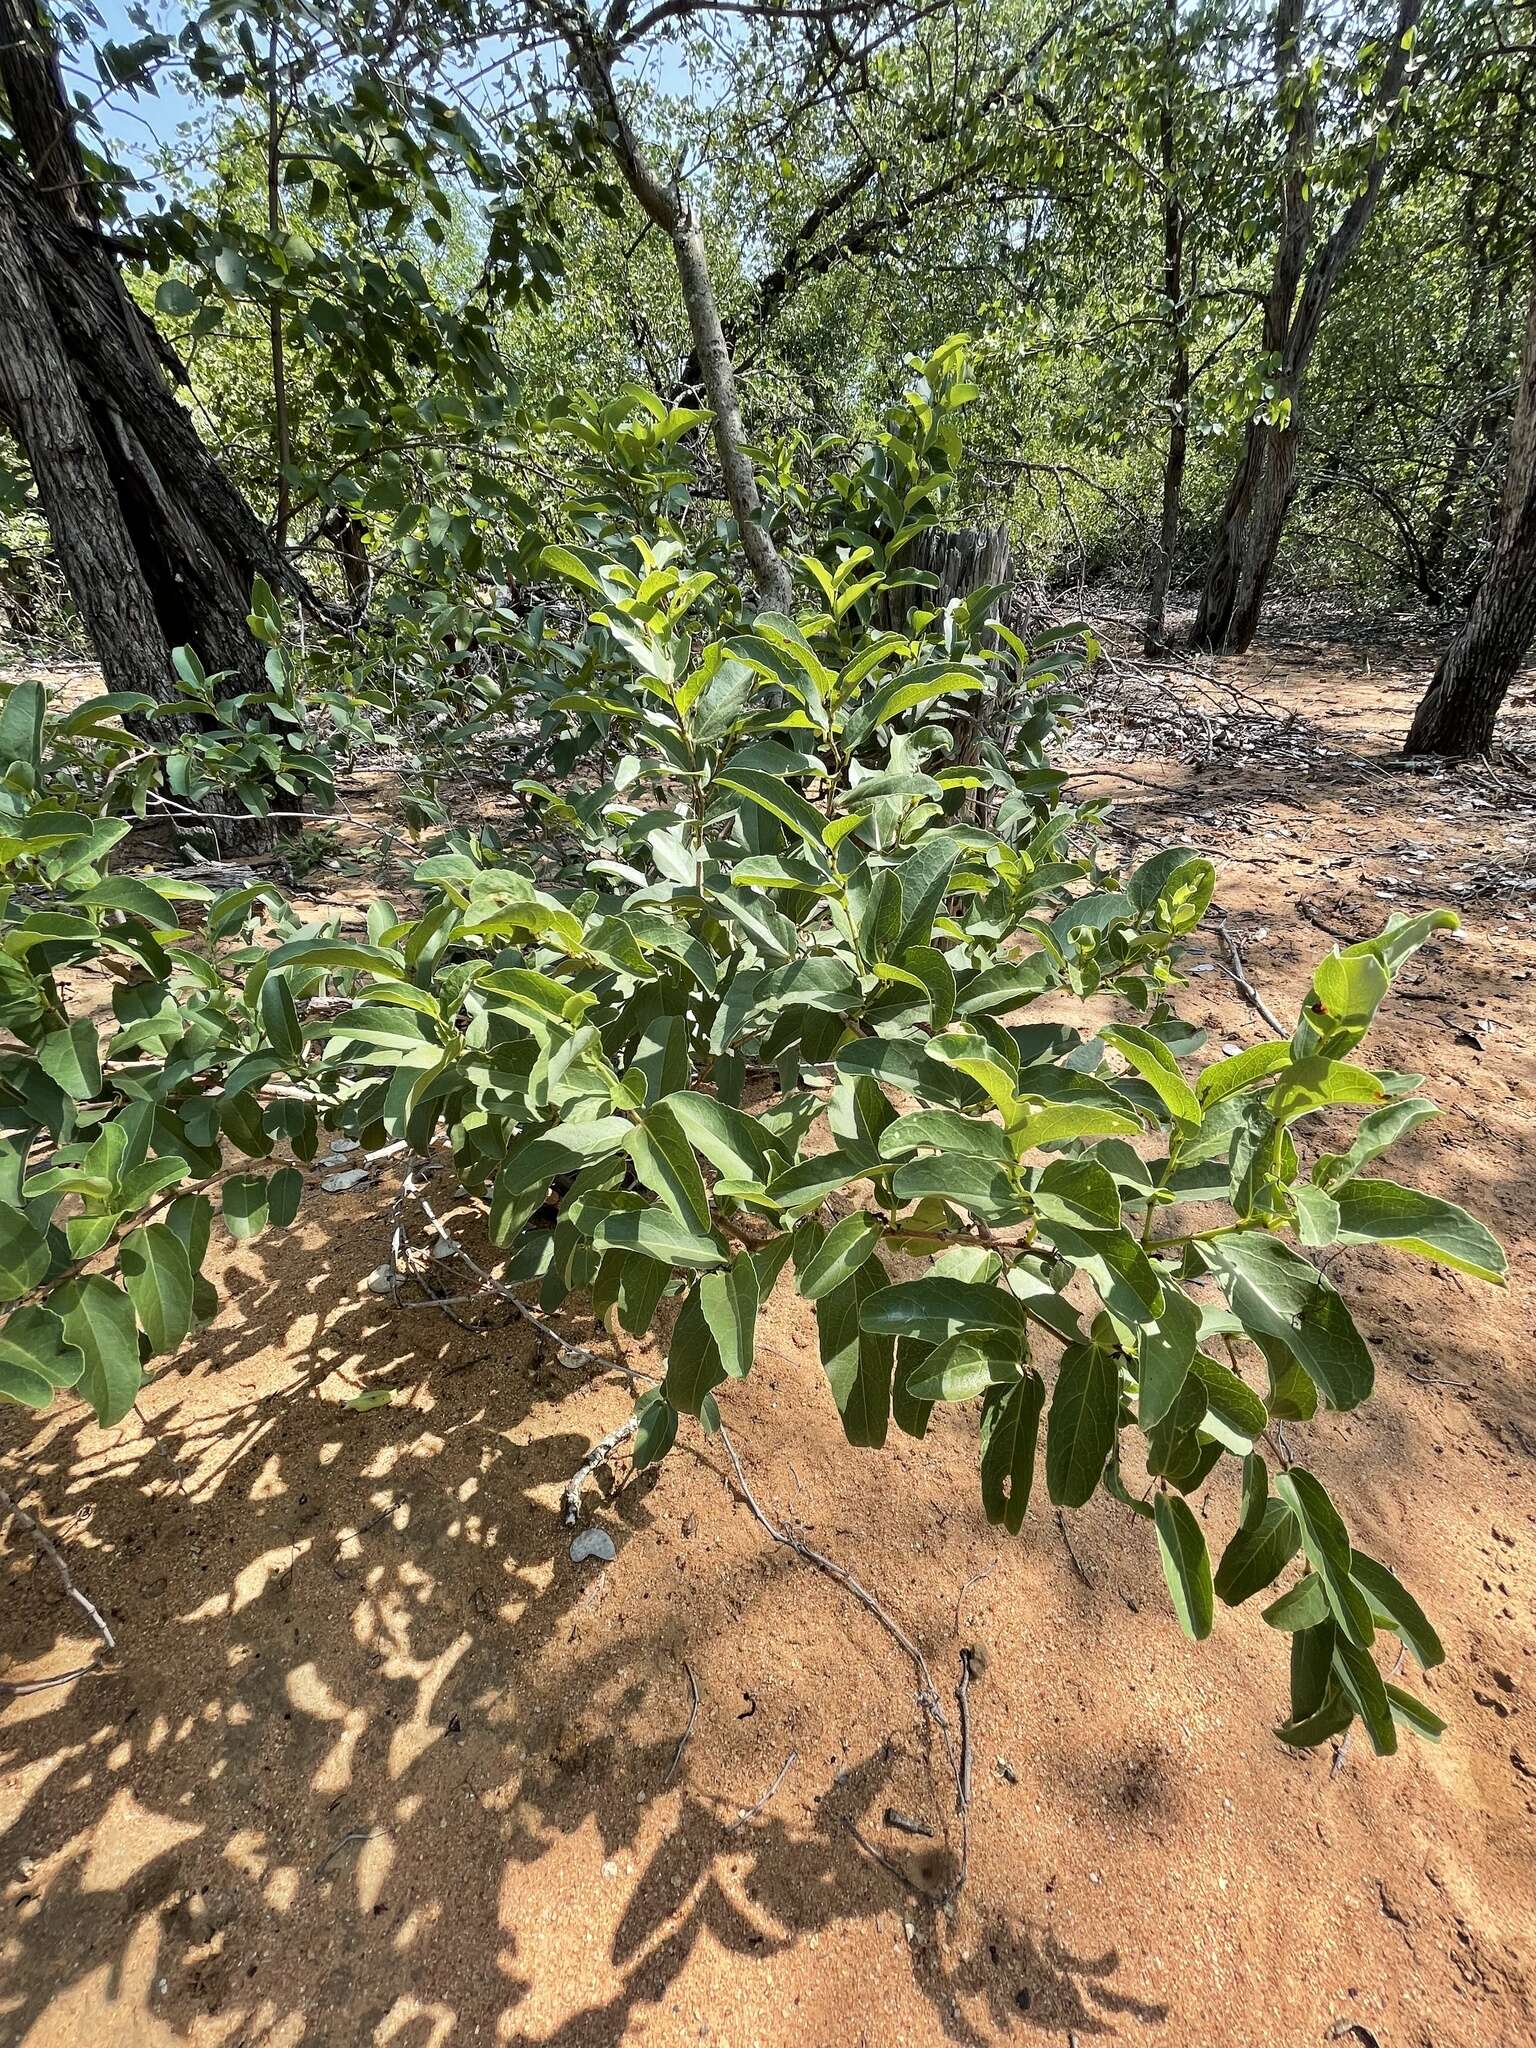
[[24, 1255], [1010, 1428], [1361, 1684], [1326, 1543], [1256, 1556], [963, 1367], [728, 1138], [1080, 1433], [98, 1321], [158, 1276], [1158, 1068], [664, 1163], [729, 1300], [656, 1431], [1167, 1351], [1381, 1212], [1312, 1084], [939, 1307], [1396, 1609], [72, 1058], [658, 1233], [35, 1357], [857, 1358], [1276, 1293], [1186, 1564], [694, 1367], [841, 1252]]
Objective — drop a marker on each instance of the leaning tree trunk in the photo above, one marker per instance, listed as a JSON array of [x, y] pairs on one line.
[[1240, 565], [1461, 704], [40, 401], [114, 453], [1237, 575]]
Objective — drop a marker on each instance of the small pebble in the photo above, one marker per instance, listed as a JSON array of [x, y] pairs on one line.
[[338, 1183], [381, 1280], [592, 1543]]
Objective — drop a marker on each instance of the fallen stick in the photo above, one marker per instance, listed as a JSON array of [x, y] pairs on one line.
[[1245, 987], [600, 1453], [693, 1715], [751, 1812], [50, 1550]]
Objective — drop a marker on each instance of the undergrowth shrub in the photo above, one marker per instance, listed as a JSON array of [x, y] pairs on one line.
[[815, 976]]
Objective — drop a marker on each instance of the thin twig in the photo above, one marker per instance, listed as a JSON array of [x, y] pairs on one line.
[[928, 1693], [974, 1580], [600, 1453], [1061, 1524], [50, 1550], [750, 1812], [1245, 987], [693, 1715], [15, 1688], [893, 1869]]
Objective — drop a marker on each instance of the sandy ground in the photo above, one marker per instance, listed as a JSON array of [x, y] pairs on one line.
[[376, 1762]]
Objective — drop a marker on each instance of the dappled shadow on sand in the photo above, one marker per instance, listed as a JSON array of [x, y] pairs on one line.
[[367, 1717]]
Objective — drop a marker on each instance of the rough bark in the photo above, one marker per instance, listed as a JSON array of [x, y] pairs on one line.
[[676, 216], [1254, 518], [94, 549], [1155, 636], [196, 544], [1462, 702]]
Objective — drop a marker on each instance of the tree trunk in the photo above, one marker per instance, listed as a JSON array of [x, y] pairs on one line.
[[678, 219], [42, 404], [1460, 706], [1239, 569], [194, 544], [1244, 555], [1155, 637]]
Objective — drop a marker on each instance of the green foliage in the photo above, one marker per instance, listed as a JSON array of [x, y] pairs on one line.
[[761, 1017]]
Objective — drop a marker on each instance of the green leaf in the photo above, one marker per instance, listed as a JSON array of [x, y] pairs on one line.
[[1276, 1293], [1010, 1428], [98, 1320], [771, 793], [1317, 1083], [1186, 1564], [664, 1162], [1326, 1543], [938, 1307], [280, 1018], [658, 1233], [158, 1276], [1361, 1683], [656, 1431], [245, 1205], [1158, 1068], [841, 1252], [285, 1190], [1256, 1556], [857, 1358], [1411, 1713], [24, 1257], [694, 1367], [35, 1357], [1167, 1351], [963, 1367], [1080, 1434], [1302, 1606], [729, 1301], [1381, 1212], [1396, 1609], [72, 1058]]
